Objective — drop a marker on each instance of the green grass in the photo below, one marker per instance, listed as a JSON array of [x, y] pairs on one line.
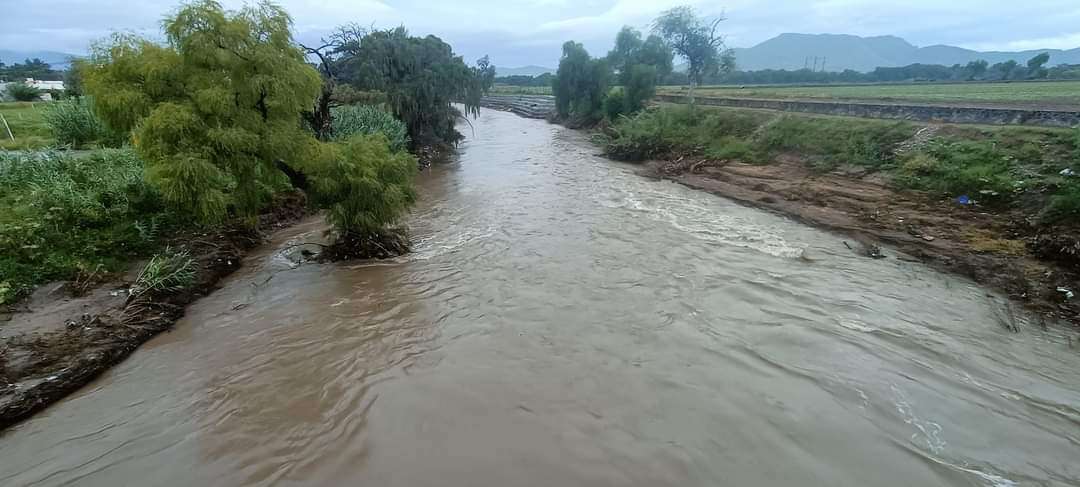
[[520, 90], [1042, 93], [1003, 167], [27, 123]]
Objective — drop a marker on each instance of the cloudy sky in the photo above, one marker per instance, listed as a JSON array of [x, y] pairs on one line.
[[521, 32]]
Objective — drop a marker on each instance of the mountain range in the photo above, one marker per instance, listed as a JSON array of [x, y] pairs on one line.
[[58, 60], [839, 52]]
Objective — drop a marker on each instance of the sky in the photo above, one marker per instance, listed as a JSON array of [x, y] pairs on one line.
[[530, 32]]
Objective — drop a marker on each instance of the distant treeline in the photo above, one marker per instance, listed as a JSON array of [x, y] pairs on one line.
[[30, 68], [1034, 69]]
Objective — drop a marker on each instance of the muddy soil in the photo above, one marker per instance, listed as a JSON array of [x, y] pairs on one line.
[[56, 341], [1038, 267]]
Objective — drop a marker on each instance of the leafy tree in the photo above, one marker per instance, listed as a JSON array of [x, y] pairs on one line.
[[1035, 66], [363, 185], [695, 39], [976, 69], [214, 109], [23, 92], [580, 85], [420, 76], [639, 88], [484, 74], [630, 50], [30, 68]]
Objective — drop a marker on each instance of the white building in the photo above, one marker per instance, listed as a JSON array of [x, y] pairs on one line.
[[44, 86]]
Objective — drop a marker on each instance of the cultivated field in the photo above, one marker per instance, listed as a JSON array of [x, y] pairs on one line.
[[520, 90], [1050, 94]]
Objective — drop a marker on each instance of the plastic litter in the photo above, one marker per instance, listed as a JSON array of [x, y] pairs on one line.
[[965, 200], [1067, 172], [1068, 294]]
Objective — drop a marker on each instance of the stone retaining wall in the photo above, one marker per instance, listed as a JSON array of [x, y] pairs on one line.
[[925, 113], [528, 106]]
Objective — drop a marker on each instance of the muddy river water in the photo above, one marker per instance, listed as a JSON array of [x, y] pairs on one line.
[[565, 322]]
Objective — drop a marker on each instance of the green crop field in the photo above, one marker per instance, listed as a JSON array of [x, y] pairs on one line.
[[26, 124], [1049, 94]]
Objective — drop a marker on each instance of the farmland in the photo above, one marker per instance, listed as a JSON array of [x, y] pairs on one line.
[[1051, 94]]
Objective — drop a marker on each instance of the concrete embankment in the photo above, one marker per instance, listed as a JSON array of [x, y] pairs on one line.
[[529, 106], [920, 112]]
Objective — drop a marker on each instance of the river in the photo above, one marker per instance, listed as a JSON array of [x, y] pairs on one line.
[[565, 322]]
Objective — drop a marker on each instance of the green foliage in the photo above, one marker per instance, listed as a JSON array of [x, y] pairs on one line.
[[167, 272], [27, 123], [61, 214], [420, 76], [30, 68], [580, 85], [974, 168], [369, 120], [23, 92], [614, 104], [363, 185], [213, 109], [640, 87], [653, 134], [73, 123], [1063, 206], [630, 51], [695, 39], [830, 141]]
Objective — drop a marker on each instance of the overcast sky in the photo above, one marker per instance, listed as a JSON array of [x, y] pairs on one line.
[[521, 32]]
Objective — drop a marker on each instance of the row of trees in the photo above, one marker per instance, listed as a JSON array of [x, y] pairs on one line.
[[218, 112], [30, 68], [581, 84], [1034, 69]]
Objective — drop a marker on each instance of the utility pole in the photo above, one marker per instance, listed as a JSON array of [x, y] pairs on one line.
[[806, 63], [823, 64], [815, 63]]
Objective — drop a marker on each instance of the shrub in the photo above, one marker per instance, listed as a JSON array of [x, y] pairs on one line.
[[1063, 206], [830, 142], [975, 168], [74, 123], [23, 92], [349, 121], [614, 104], [60, 214]]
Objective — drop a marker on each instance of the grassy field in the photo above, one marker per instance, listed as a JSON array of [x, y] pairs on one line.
[[1055, 93], [520, 90], [27, 125]]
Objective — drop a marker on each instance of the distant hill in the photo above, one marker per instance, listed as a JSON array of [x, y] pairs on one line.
[[840, 52], [522, 71], [58, 60]]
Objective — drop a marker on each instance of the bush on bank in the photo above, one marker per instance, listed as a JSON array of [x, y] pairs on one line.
[[1007, 166], [61, 216]]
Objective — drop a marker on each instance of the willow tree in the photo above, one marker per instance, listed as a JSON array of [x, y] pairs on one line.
[[579, 85], [421, 78], [212, 111]]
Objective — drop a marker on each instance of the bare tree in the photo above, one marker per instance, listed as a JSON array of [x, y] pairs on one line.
[[344, 40], [697, 40]]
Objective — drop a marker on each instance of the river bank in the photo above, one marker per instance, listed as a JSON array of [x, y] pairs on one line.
[[62, 337], [1001, 250]]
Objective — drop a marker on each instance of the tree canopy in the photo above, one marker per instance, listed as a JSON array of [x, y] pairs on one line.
[[420, 76], [695, 39], [213, 109], [580, 85]]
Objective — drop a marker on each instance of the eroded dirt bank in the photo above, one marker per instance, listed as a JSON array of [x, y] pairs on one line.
[[999, 249], [59, 339]]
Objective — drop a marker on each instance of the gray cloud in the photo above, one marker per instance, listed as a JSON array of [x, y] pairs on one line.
[[519, 32]]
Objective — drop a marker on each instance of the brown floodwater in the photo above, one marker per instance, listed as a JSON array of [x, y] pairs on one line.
[[564, 322]]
